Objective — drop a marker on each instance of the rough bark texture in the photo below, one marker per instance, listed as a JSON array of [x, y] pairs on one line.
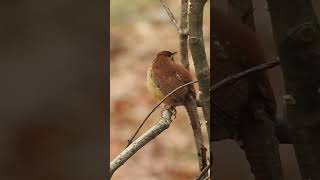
[[134, 147], [184, 33], [199, 55], [298, 39], [191, 107]]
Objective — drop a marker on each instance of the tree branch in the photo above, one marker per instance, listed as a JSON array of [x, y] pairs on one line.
[[233, 78], [184, 34], [200, 61], [152, 133], [203, 172], [171, 16], [199, 55]]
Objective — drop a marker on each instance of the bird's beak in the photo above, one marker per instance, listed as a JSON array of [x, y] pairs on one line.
[[173, 53]]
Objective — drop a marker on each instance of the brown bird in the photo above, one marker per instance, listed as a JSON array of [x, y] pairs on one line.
[[164, 76]]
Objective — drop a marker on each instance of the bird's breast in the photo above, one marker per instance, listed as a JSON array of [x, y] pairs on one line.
[[152, 86]]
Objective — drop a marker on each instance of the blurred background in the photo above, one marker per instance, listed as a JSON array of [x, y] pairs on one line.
[[52, 62], [139, 31], [229, 160]]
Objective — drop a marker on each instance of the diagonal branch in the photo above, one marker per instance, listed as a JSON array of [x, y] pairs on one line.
[[152, 133], [203, 172], [171, 16], [233, 78]]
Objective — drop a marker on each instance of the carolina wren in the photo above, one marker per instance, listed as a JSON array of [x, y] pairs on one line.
[[166, 75], [163, 77]]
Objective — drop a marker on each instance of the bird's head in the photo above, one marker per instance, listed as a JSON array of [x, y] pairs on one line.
[[166, 55]]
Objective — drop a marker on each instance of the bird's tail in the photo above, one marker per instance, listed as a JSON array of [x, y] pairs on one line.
[[191, 107]]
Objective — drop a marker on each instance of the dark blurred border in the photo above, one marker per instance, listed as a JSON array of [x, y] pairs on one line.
[[54, 89], [107, 88]]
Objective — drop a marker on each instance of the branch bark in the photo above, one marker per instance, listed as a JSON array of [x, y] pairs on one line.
[[184, 34], [171, 16], [152, 133], [233, 78], [199, 55], [297, 35]]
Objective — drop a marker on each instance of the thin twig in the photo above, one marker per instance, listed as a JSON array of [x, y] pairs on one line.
[[206, 178], [171, 16], [203, 172], [152, 133], [233, 78], [159, 103]]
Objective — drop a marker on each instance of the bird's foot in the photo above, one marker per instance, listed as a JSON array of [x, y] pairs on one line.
[[171, 109]]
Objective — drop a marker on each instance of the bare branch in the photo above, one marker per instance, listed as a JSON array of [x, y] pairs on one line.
[[171, 16], [199, 58], [238, 76], [206, 178], [192, 105], [203, 172], [199, 55], [184, 34], [152, 133]]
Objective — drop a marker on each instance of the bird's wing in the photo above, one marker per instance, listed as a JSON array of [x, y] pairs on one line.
[[171, 77], [184, 76]]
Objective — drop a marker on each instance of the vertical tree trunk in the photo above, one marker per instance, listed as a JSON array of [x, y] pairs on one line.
[[298, 39], [247, 114], [316, 7]]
